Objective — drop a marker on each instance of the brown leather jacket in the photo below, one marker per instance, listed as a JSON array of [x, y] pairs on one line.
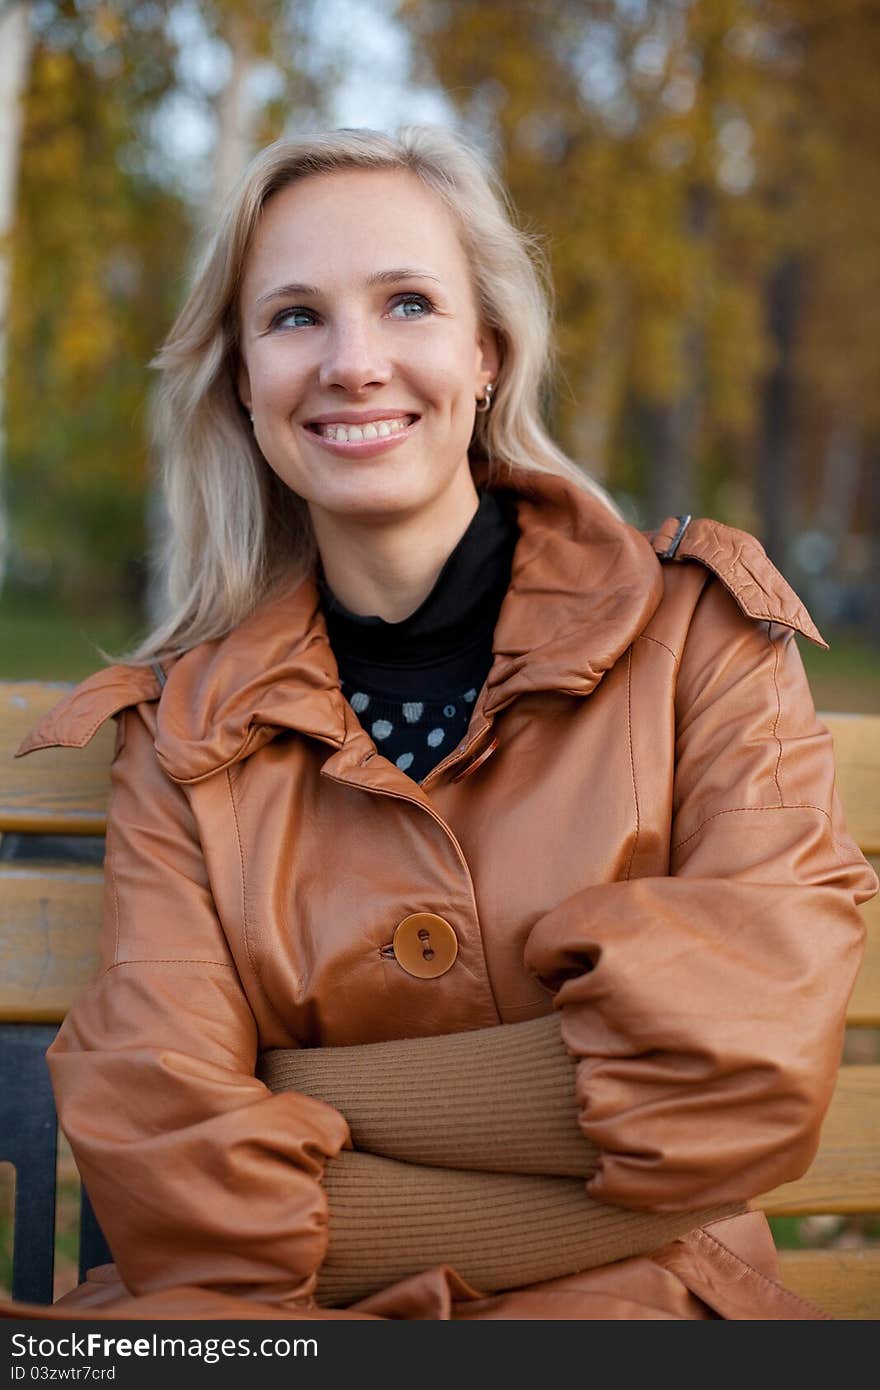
[[640, 827]]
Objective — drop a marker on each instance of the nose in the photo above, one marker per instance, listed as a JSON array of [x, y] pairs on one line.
[[355, 358]]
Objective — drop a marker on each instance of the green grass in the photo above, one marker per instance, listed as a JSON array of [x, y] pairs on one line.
[[39, 642], [787, 1233], [845, 678], [835, 1233]]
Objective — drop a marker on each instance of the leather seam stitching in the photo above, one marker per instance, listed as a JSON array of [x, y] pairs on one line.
[[632, 766], [111, 857], [92, 729], [703, 1234], [737, 591], [171, 960], [236, 757], [244, 914], [775, 734], [735, 810], [643, 637]]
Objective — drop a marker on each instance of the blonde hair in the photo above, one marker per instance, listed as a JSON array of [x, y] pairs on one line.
[[236, 531]]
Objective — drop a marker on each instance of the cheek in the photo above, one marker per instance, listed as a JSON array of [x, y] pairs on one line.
[[276, 375], [445, 376]]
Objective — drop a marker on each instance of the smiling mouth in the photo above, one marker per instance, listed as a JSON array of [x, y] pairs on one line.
[[369, 430]]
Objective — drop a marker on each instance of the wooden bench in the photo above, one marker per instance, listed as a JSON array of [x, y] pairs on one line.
[[49, 919]]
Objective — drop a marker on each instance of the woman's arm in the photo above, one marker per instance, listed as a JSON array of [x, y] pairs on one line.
[[708, 1007], [498, 1231], [498, 1099], [197, 1174]]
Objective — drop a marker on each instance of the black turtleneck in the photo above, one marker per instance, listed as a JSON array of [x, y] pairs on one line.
[[413, 684]]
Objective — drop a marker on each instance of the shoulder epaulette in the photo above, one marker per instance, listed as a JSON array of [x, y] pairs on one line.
[[743, 566], [78, 716]]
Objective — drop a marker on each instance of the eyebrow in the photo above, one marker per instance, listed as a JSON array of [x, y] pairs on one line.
[[379, 277]]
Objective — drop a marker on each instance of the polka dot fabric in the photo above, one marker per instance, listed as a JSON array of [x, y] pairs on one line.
[[414, 684], [413, 734]]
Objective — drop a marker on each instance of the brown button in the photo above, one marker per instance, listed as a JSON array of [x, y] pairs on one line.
[[425, 945]]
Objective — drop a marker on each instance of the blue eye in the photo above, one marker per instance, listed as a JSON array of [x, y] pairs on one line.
[[414, 306], [281, 320], [416, 301]]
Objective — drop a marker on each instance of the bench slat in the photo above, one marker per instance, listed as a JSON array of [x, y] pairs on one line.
[[863, 1010], [57, 791], [844, 1283], [845, 1175], [857, 759], [49, 923]]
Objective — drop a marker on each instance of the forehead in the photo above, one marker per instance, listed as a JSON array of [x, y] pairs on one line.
[[348, 223]]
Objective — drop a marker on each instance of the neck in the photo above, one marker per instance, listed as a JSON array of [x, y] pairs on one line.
[[388, 570]]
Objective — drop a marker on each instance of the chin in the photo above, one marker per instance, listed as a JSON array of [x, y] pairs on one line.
[[377, 508], [378, 499]]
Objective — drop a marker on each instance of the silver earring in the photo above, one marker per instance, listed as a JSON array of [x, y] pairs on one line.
[[251, 417], [484, 402]]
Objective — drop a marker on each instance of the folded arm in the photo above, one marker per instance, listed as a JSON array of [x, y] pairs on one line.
[[496, 1099], [498, 1231], [197, 1174], [471, 1125], [708, 1006]]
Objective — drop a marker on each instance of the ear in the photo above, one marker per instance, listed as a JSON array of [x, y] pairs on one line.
[[489, 356], [243, 383]]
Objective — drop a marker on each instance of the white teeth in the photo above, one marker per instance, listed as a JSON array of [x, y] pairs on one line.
[[375, 429]]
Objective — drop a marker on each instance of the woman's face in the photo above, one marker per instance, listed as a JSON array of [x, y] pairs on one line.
[[357, 316]]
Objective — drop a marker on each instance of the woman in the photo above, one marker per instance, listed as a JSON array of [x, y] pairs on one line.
[[476, 885]]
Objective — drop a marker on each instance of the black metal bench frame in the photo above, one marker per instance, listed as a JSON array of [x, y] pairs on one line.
[[29, 1141]]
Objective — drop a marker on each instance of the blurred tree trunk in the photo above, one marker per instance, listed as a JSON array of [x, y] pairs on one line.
[[672, 472], [237, 122], [237, 113], [776, 445], [673, 482], [96, 256], [15, 50], [872, 500], [839, 485]]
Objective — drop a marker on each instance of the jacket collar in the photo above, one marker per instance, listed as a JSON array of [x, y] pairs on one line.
[[583, 585]]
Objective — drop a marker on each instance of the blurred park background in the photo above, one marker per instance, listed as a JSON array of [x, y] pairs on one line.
[[704, 175]]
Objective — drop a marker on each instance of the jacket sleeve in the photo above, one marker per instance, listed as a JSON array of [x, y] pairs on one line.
[[197, 1173], [707, 1008]]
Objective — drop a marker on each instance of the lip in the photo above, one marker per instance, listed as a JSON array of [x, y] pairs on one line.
[[357, 417], [361, 448]]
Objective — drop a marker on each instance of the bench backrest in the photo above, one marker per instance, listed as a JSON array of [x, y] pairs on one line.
[[50, 911]]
